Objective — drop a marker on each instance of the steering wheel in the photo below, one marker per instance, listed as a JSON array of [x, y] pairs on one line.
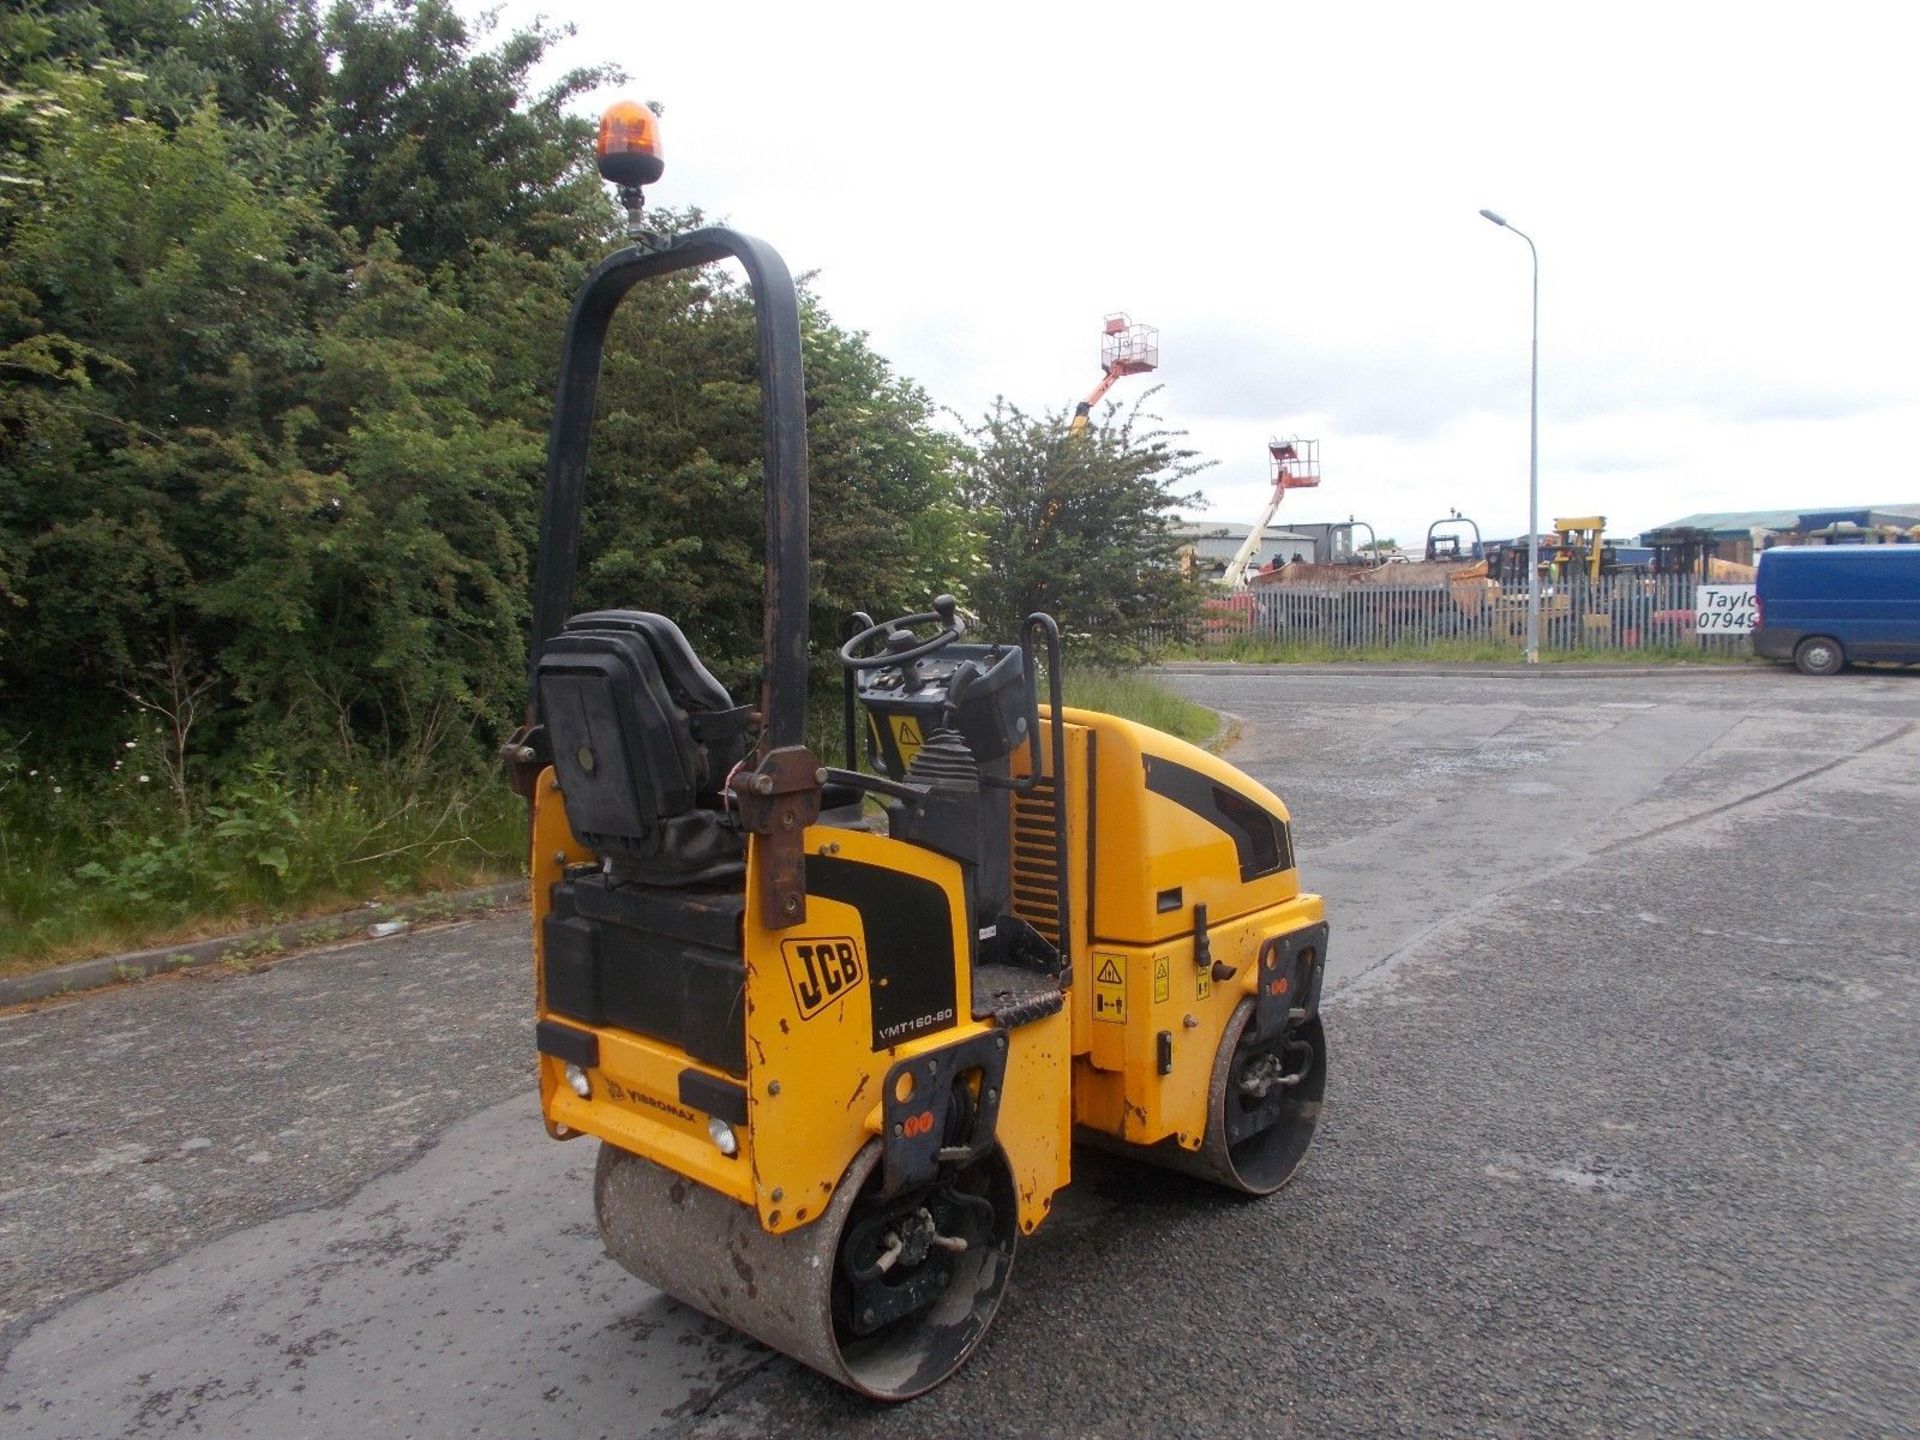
[[899, 643]]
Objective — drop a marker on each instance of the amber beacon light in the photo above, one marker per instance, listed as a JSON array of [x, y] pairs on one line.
[[629, 145]]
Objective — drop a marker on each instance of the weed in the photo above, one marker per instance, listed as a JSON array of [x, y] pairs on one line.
[[259, 947], [258, 824]]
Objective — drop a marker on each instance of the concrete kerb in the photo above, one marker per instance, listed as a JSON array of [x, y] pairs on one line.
[[1225, 735], [254, 944]]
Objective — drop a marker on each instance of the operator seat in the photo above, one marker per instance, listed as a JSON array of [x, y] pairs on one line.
[[643, 739]]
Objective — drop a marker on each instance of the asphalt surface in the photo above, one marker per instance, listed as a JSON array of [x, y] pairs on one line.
[[1621, 1134]]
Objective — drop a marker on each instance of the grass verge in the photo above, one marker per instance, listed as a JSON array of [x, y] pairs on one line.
[[99, 873], [1141, 698]]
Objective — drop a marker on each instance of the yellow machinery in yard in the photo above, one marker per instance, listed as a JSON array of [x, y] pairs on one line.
[[836, 1030], [1582, 549]]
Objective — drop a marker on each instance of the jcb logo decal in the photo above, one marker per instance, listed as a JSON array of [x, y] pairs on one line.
[[822, 971]]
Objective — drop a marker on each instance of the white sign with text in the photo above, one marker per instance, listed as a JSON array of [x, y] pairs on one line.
[[1723, 610]]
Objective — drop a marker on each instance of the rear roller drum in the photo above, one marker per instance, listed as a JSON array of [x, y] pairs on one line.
[[887, 1297], [1263, 1103]]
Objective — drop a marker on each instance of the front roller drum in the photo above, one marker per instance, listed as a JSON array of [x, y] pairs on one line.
[[886, 1296], [1263, 1104]]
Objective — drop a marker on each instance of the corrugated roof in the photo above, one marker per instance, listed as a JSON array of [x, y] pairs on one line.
[[1741, 521], [1231, 530]]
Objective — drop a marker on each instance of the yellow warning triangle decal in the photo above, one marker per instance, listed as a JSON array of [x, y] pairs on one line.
[[1109, 973]]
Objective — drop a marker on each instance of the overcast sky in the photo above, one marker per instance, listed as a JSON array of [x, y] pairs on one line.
[[1724, 199]]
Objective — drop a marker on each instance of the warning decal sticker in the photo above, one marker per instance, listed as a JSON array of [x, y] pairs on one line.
[[1162, 979], [906, 735], [1109, 989]]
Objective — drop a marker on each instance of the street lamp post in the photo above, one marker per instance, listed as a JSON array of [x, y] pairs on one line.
[[1533, 457]]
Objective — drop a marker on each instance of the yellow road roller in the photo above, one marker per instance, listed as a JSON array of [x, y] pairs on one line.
[[837, 1028]]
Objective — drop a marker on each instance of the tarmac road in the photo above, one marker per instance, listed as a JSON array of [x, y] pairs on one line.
[[1621, 1134]]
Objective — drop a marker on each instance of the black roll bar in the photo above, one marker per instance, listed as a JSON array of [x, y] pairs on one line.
[[784, 430]]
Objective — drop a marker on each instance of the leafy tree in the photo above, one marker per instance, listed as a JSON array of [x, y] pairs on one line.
[[237, 455], [889, 529], [263, 58], [444, 144], [1080, 527], [439, 139], [281, 295], [87, 35], [158, 319], [383, 598]]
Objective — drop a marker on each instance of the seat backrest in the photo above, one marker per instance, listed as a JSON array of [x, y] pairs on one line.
[[641, 731], [692, 684]]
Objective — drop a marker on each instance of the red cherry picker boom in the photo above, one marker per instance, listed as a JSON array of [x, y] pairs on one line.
[[1293, 464], [1125, 349]]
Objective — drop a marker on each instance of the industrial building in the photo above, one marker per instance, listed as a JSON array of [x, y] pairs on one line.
[[1739, 535], [1206, 547]]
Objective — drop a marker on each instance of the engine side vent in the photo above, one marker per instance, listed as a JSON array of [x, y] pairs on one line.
[[1036, 871]]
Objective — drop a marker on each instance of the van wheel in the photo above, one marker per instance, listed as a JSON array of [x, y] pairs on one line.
[[1817, 655]]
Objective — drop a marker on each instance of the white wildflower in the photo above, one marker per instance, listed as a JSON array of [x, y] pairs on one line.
[[143, 779]]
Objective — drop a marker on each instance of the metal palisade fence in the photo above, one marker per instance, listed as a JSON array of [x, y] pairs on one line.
[[1616, 612]]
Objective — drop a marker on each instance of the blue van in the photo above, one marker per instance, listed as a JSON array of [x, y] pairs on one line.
[[1824, 606]]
